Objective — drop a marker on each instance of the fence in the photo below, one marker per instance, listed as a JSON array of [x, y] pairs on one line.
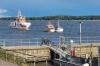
[[38, 41]]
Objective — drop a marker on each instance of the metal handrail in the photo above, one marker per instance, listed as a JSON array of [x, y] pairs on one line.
[[54, 41]]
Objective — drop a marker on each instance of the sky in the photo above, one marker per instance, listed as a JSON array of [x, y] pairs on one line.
[[32, 8]]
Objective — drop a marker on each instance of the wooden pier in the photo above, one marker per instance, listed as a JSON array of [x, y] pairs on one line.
[[30, 53], [86, 50]]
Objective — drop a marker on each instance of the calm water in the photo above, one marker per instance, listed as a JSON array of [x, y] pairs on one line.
[[90, 30]]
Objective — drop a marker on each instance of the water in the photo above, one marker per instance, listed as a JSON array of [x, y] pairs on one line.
[[90, 30]]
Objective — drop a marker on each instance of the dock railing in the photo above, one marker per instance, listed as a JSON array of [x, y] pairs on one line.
[[52, 41]]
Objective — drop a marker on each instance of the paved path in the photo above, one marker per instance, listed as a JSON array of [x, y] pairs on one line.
[[4, 63]]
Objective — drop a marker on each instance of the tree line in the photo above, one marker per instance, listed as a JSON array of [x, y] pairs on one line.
[[56, 18]]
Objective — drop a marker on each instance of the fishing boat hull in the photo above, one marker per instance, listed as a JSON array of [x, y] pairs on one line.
[[20, 25], [51, 30]]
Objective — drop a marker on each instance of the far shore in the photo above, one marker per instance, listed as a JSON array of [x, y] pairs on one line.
[[56, 18]]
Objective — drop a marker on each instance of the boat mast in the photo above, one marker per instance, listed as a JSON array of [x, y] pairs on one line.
[[19, 14], [58, 24]]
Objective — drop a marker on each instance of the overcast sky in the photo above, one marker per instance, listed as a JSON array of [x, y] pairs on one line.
[[50, 7]]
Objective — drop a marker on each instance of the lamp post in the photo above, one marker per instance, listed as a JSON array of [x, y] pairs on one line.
[[80, 32]]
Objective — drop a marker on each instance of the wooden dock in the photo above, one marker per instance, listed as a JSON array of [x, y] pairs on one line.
[[30, 53], [86, 51]]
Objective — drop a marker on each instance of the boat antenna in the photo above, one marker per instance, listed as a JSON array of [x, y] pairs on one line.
[[19, 13]]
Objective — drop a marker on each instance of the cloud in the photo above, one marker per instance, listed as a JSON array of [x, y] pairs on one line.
[[2, 11]]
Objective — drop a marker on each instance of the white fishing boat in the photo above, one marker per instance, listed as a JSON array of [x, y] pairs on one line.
[[20, 22], [59, 28], [50, 27]]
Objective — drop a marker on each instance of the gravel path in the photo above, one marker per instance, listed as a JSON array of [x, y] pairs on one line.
[[4, 63]]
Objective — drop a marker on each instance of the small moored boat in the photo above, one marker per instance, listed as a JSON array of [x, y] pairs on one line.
[[59, 28]]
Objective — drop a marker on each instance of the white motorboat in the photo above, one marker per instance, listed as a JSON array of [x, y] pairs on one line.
[[59, 28], [20, 22]]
